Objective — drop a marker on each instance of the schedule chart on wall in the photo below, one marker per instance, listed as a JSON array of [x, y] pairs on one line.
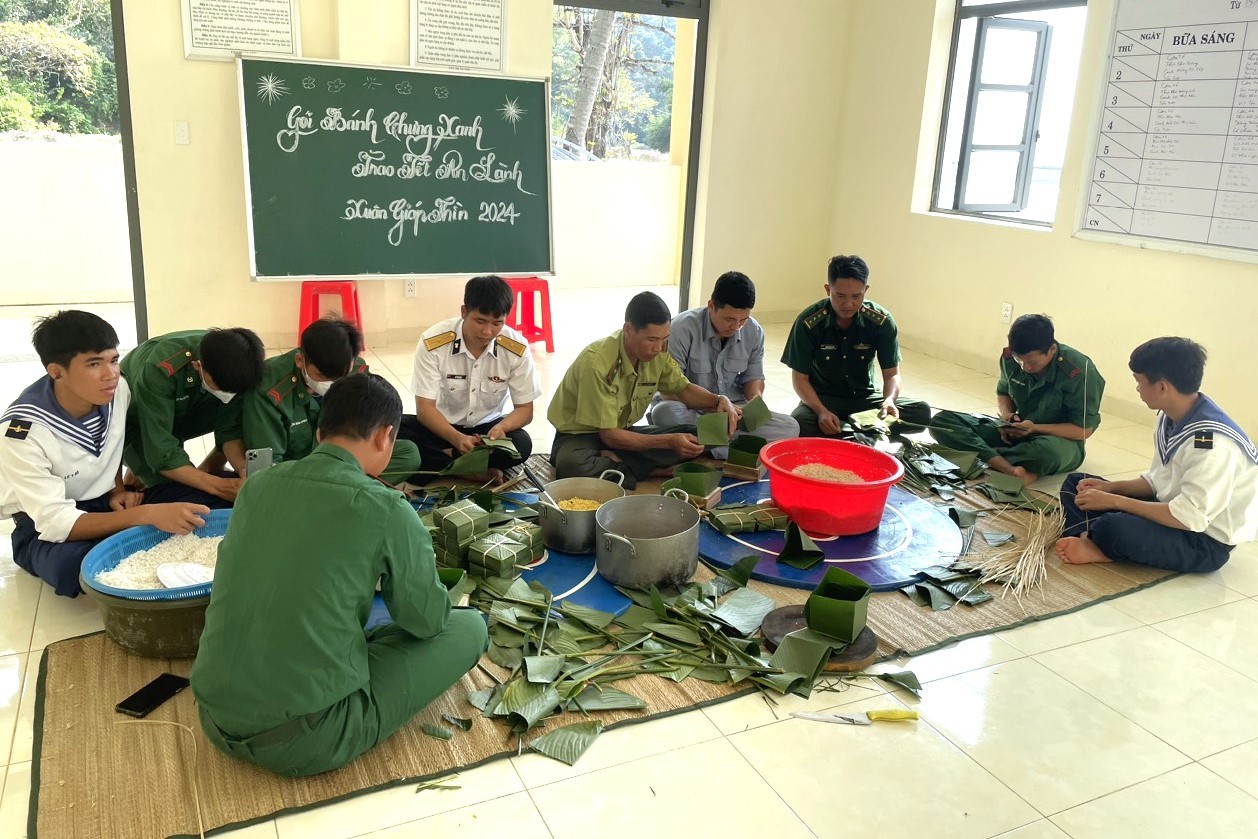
[[1177, 148]]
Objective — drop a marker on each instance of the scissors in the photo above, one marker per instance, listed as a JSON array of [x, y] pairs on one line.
[[847, 719]]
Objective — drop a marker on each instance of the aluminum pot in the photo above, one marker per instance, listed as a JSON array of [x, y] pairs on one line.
[[572, 531], [646, 540]]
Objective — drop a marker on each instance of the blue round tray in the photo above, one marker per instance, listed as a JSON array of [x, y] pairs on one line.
[[116, 548]]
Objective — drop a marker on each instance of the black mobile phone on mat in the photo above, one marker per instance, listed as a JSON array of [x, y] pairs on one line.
[[147, 698]]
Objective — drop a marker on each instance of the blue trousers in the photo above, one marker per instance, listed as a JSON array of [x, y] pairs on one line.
[[56, 563], [1124, 537]]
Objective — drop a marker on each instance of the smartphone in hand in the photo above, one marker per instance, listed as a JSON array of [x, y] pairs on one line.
[[258, 460], [147, 698]]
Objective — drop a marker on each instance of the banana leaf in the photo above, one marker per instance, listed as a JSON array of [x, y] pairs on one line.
[[505, 636], [919, 598], [503, 445], [713, 430], [586, 615], [711, 673], [736, 576], [680, 673], [658, 604], [997, 539], [458, 722], [755, 414], [744, 610], [1005, 483], [480, 699], [543, 669], [802, 653], [906, 679], [508, 657], [475, 462], [636, 617], [568, 743], [677, 632], [437, 731], [527, 702], [871, 420], [799, 551], [594, 698], [968, 591]]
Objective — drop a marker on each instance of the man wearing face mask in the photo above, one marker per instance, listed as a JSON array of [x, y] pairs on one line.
[[282, 413], [721, 347], [1049, 397], [184, 385]]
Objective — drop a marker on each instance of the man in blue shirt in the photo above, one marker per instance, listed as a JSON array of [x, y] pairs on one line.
[[721, 347]]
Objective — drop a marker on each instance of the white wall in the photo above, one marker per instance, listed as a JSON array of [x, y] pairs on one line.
[[63, 220]]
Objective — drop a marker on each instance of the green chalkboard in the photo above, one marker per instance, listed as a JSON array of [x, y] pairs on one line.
[[358, 171]]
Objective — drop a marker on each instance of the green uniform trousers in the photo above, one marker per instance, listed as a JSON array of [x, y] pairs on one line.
[[578, 455], [1039, 455], [407, 673], [404, 462], [912, 412]]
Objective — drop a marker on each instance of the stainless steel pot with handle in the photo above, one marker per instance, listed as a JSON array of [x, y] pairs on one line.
[[572, 531], [646, 540]]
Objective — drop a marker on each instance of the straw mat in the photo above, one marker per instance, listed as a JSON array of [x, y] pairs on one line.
[[95, 776]]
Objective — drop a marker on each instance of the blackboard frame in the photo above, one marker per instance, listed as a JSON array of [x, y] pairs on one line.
[[1134, 240], [248, 189]]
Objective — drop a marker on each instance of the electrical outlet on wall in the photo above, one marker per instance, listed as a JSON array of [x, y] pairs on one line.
[[1006, 312], [410, 288]]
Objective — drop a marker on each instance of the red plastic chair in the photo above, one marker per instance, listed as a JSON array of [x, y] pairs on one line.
[[532, 298], [312, 290]]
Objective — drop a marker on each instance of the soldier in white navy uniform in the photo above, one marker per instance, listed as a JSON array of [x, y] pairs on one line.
[[61, 455], [473, 378], [1197, 500]]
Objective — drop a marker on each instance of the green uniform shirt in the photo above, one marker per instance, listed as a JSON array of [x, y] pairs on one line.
[[294, 585], [1069, 390], [601, 390], [283, 414], [169, 406], [841, 362]]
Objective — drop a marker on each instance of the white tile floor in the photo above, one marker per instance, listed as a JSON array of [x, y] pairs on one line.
[[1133, 718]]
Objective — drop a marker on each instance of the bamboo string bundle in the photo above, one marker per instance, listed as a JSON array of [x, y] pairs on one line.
[[1022, 567]]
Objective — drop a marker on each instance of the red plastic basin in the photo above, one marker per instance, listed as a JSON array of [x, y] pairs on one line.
[[823, 508]]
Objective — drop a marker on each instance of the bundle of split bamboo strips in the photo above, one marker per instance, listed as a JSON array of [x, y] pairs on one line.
[[1021, 566]]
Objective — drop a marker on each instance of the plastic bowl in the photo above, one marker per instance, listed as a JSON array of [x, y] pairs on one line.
[[157, 623], [822, 508]]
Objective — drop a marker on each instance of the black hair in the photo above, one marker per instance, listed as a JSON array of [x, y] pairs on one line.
[[734, 289], [647, 309], [490, 295], [59, 337], [1180, 361], [233, 358], [1031, 333], [357, 405], [843, 267], [331, 345]]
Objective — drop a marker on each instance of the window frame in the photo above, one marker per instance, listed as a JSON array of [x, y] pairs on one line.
[[981, 12]]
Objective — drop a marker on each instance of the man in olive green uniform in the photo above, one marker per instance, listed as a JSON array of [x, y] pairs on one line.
[[184, 385], [831, 351], [282, 413], [608, 388], [1049, 399], [285, 676]]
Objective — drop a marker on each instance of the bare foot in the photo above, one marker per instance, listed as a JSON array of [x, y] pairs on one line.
[[1079, 550], [1023, 475]]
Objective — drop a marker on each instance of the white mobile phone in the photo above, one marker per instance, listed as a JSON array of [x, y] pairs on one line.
[[257, 460]]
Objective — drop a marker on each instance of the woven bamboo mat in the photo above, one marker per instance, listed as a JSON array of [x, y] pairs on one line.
[[97, 777]]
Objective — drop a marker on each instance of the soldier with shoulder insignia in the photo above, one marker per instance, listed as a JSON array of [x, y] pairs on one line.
[[1197, 500], [282, 413], [184, 385], [607, 390], [832, 350], [1049, 397], [61, 455], [474, 378]]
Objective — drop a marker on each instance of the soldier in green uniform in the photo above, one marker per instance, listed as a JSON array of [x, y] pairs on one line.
[[184, 385], [286, 677], [1049, 397], [282, 413], [831, 351], [608, 388]]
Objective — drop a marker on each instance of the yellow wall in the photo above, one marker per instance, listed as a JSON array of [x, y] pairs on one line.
[[192, 202], [945, 278], [770, 148]]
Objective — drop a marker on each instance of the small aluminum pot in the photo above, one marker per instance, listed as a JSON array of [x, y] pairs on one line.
[[572, 531], [646, 540]]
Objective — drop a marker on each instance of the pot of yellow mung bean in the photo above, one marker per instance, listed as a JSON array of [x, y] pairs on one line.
[[569, 527]]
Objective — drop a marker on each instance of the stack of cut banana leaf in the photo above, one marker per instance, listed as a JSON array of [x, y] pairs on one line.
[[943, 587], [569, 658]]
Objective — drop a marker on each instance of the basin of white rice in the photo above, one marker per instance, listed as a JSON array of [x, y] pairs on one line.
[[139, 571]]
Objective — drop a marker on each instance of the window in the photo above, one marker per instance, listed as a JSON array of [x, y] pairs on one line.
[[1011, 88]]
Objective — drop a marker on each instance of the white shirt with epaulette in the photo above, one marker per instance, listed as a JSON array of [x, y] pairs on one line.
[[473, 391], [44, 471]]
